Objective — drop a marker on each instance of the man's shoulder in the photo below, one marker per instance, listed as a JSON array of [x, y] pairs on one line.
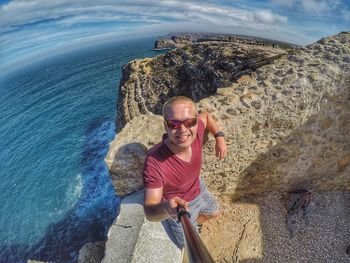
[[154, 149], [157, 152], [201, 128], [201, 124]]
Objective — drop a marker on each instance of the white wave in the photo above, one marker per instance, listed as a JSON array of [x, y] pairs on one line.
[[74, 191]]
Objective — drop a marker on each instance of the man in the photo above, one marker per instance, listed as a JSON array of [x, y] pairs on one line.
[[172, 167]]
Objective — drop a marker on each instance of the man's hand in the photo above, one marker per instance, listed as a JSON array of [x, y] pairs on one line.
[[158, 210], [173, 205], [220, 148]]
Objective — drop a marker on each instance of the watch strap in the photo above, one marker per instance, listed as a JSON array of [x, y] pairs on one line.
[[219, 134]]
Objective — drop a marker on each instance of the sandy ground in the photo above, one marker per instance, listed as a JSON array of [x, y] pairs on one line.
[[253, 229]]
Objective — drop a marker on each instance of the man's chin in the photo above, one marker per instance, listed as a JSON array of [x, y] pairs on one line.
[[184, 140], [184, 145]]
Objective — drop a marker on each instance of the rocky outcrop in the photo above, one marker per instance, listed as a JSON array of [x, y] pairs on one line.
[[175, 40], [126, 153], [286, 114], [196, 71]]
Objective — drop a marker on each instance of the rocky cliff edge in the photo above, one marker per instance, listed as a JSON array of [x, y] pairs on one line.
[[285, 113]]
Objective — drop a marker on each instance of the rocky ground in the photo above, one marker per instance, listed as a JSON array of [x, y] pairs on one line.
[[253, 229]]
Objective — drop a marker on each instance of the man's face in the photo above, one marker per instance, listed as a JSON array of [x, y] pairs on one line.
[[182, 137]]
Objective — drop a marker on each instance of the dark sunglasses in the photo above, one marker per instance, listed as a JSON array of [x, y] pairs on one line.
[[176, 124]]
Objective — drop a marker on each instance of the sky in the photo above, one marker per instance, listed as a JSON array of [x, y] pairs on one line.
[[32, 29]]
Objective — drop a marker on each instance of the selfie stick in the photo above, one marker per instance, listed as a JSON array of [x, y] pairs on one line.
[[197, 252]]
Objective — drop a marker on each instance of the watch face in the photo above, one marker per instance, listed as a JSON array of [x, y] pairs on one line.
[[219, 134]]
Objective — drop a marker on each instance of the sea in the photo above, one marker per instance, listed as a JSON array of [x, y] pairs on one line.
[[57, 117]]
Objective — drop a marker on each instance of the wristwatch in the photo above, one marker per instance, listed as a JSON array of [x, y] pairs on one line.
[[219, 134]]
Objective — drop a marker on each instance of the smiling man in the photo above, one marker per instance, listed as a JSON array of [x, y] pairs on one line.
[[172, 167]]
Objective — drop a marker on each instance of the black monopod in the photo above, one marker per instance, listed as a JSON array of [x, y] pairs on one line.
[[196, 250]]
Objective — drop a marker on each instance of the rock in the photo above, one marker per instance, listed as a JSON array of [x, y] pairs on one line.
[[196, 71], [244, 80], [280, 135], [92, 252], [126, 153], [313, 76], [344, 162], [183, 39], [256, 104], [174, 41], [164, 44], [134, 239]]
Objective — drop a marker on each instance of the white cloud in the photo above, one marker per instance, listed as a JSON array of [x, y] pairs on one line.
[[320, 5], [309, 5], [22, 12], [314, 5], [267, 17]]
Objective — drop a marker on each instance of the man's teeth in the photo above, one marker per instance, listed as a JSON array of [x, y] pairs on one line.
[[183, 137]]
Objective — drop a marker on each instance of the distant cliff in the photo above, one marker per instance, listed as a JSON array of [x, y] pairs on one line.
[[175, 40], [285, 113]]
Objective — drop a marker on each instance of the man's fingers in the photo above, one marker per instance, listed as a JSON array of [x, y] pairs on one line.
[[221, 154], [177, 201]]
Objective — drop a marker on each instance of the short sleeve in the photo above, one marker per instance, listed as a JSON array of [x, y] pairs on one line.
[[200, 131], [152, 174]]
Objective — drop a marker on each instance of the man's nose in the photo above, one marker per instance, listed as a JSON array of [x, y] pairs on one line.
[[183, 127]]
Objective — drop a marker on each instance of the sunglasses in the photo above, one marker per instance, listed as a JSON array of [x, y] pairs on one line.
[[176, 124]]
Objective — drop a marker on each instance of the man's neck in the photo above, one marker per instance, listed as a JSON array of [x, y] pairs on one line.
[[183, 153]]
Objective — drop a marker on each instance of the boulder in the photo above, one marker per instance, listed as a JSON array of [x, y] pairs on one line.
[[127, 152]]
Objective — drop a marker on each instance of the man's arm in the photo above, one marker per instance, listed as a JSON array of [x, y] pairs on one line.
[[211, 125], [158, 210]]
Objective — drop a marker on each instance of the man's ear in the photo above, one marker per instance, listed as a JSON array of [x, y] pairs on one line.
[[165, 126]]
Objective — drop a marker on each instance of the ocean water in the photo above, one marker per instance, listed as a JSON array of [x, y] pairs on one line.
[[56, 120]]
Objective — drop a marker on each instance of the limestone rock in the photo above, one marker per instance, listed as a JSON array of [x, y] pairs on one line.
[[92, 252], [174, 40], [287, 127], [126, 153], [196, 71]]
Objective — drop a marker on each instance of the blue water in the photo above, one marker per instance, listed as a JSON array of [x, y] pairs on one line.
[[56, 120]]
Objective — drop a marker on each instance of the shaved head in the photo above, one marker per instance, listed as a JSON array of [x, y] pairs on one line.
[[177, 100]]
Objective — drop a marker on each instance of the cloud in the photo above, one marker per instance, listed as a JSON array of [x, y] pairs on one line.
[[267, 17], [311, 6], [315, 5], [18, 13]]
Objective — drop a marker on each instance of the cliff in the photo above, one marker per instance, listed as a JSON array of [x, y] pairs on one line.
[[175, 40], [285, 111], [196, 71], [286, 116]]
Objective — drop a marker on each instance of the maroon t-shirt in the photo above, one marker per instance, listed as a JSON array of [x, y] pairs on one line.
[[179, 178]]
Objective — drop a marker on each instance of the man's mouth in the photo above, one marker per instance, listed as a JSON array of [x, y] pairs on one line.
[[183, 138]]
